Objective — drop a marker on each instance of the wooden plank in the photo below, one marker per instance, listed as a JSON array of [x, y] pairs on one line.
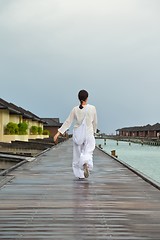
[[45, 201]]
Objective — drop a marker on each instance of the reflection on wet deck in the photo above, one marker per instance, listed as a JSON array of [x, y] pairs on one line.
[[42, 200]]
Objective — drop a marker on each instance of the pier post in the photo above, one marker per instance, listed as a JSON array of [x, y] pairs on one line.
[[100, 146], [113, 153]]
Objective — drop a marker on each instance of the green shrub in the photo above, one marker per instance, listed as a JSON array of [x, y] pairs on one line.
[[40, 130], [11, 128], [45, 132], [34, 130], [23, 128]]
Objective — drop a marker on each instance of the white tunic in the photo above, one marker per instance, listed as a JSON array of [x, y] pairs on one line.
[[77, 116]]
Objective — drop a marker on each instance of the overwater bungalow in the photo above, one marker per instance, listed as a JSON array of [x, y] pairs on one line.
[[10, 113], [52, 125], [148, 131]]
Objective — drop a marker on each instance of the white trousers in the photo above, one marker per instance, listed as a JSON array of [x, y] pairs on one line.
[[83, 154]]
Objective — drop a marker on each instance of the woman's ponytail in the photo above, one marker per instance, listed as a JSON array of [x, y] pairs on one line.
[[82, 95], [80, 106]]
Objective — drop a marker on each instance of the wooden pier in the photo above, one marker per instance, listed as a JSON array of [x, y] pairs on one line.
[[42, 200]]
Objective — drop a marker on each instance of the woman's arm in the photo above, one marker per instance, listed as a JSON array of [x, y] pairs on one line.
[[66, 125], [56, 136]]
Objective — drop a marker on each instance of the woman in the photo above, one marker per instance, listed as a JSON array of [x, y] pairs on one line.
[[82, 154]]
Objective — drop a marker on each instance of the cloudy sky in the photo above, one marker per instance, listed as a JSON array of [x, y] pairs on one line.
[[50, 49]]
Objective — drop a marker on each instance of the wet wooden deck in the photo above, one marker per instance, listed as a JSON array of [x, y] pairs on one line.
[[42, 200]]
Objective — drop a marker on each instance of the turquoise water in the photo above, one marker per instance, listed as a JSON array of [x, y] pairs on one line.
[[144, 158]]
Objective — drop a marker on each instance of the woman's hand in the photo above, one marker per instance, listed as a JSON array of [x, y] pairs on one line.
[[56, 136]]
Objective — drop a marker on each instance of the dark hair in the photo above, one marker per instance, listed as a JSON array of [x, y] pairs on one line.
[[82, 95]]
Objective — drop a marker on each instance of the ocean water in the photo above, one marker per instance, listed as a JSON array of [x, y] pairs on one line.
[[144, 158]]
